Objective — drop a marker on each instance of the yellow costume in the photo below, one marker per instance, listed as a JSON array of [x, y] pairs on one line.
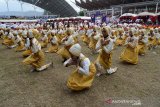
[[86, 37], [20, 44], [75, 35], [49, 35], [142, 45], [54, 45], [120, 41], [76, 39], [1, 34], [105, 46], [83, 76], [93, 41], [157, 35], [20, 47], [60, 36], [64, 51], [105, 59], [142, 48], [28, 51], [44, 41], [9, 41], [79, 82], [53, 48], [105, 54], [152, 39], [36, 33], [130, 53], [36, 59]]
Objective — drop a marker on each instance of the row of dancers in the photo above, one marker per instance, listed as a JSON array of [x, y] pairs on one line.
[[32, 39]]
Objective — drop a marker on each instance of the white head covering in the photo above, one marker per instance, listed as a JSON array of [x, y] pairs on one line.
[[53, 31], [20, 31], [48, 26], [10, 35], [44, 32], [24, 33], [85, 21], [30, 32], [155, 30], [144, 31], [75, 50], [38, 26], [15, 32], [104, 24], [1, 31], [60, 31], [36, 45]]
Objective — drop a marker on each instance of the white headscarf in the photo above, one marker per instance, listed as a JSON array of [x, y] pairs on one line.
[[75, 50], [30, 32]]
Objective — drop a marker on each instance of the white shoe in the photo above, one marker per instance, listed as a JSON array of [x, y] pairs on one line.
[[99, 74], [155, 47], [142, 54], [154, 53], [112, 70]]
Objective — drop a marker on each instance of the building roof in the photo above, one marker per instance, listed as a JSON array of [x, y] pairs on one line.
[[101, 4], [57, 7]]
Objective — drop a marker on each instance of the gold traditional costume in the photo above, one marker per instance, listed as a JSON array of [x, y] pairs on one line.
[[54, 45], [130, 53], [83, 76], [36, 59]]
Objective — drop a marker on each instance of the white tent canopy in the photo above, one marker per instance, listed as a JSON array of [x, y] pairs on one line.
[[84, 17], [158, 14], [146, 14], [74, 18], [129, 14], [17, 21]]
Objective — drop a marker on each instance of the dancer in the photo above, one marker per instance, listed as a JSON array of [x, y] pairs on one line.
[[105, 46], [82, 77], [54, 43], [37, 58], [68, 41], [130, 53]]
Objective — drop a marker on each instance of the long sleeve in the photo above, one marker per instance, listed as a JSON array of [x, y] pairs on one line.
[[36, 46], [87, 33], [54, 40], [18, 39], [98, 45], [69, 41], [134, 43], [75, 34], [90, 34], [27, 44], [10, 36], [84, 69], [157, 35], [145, 40], [67, 62], [97, 36], [127, 41], [6, 33], [115, 38], [108, 48]]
